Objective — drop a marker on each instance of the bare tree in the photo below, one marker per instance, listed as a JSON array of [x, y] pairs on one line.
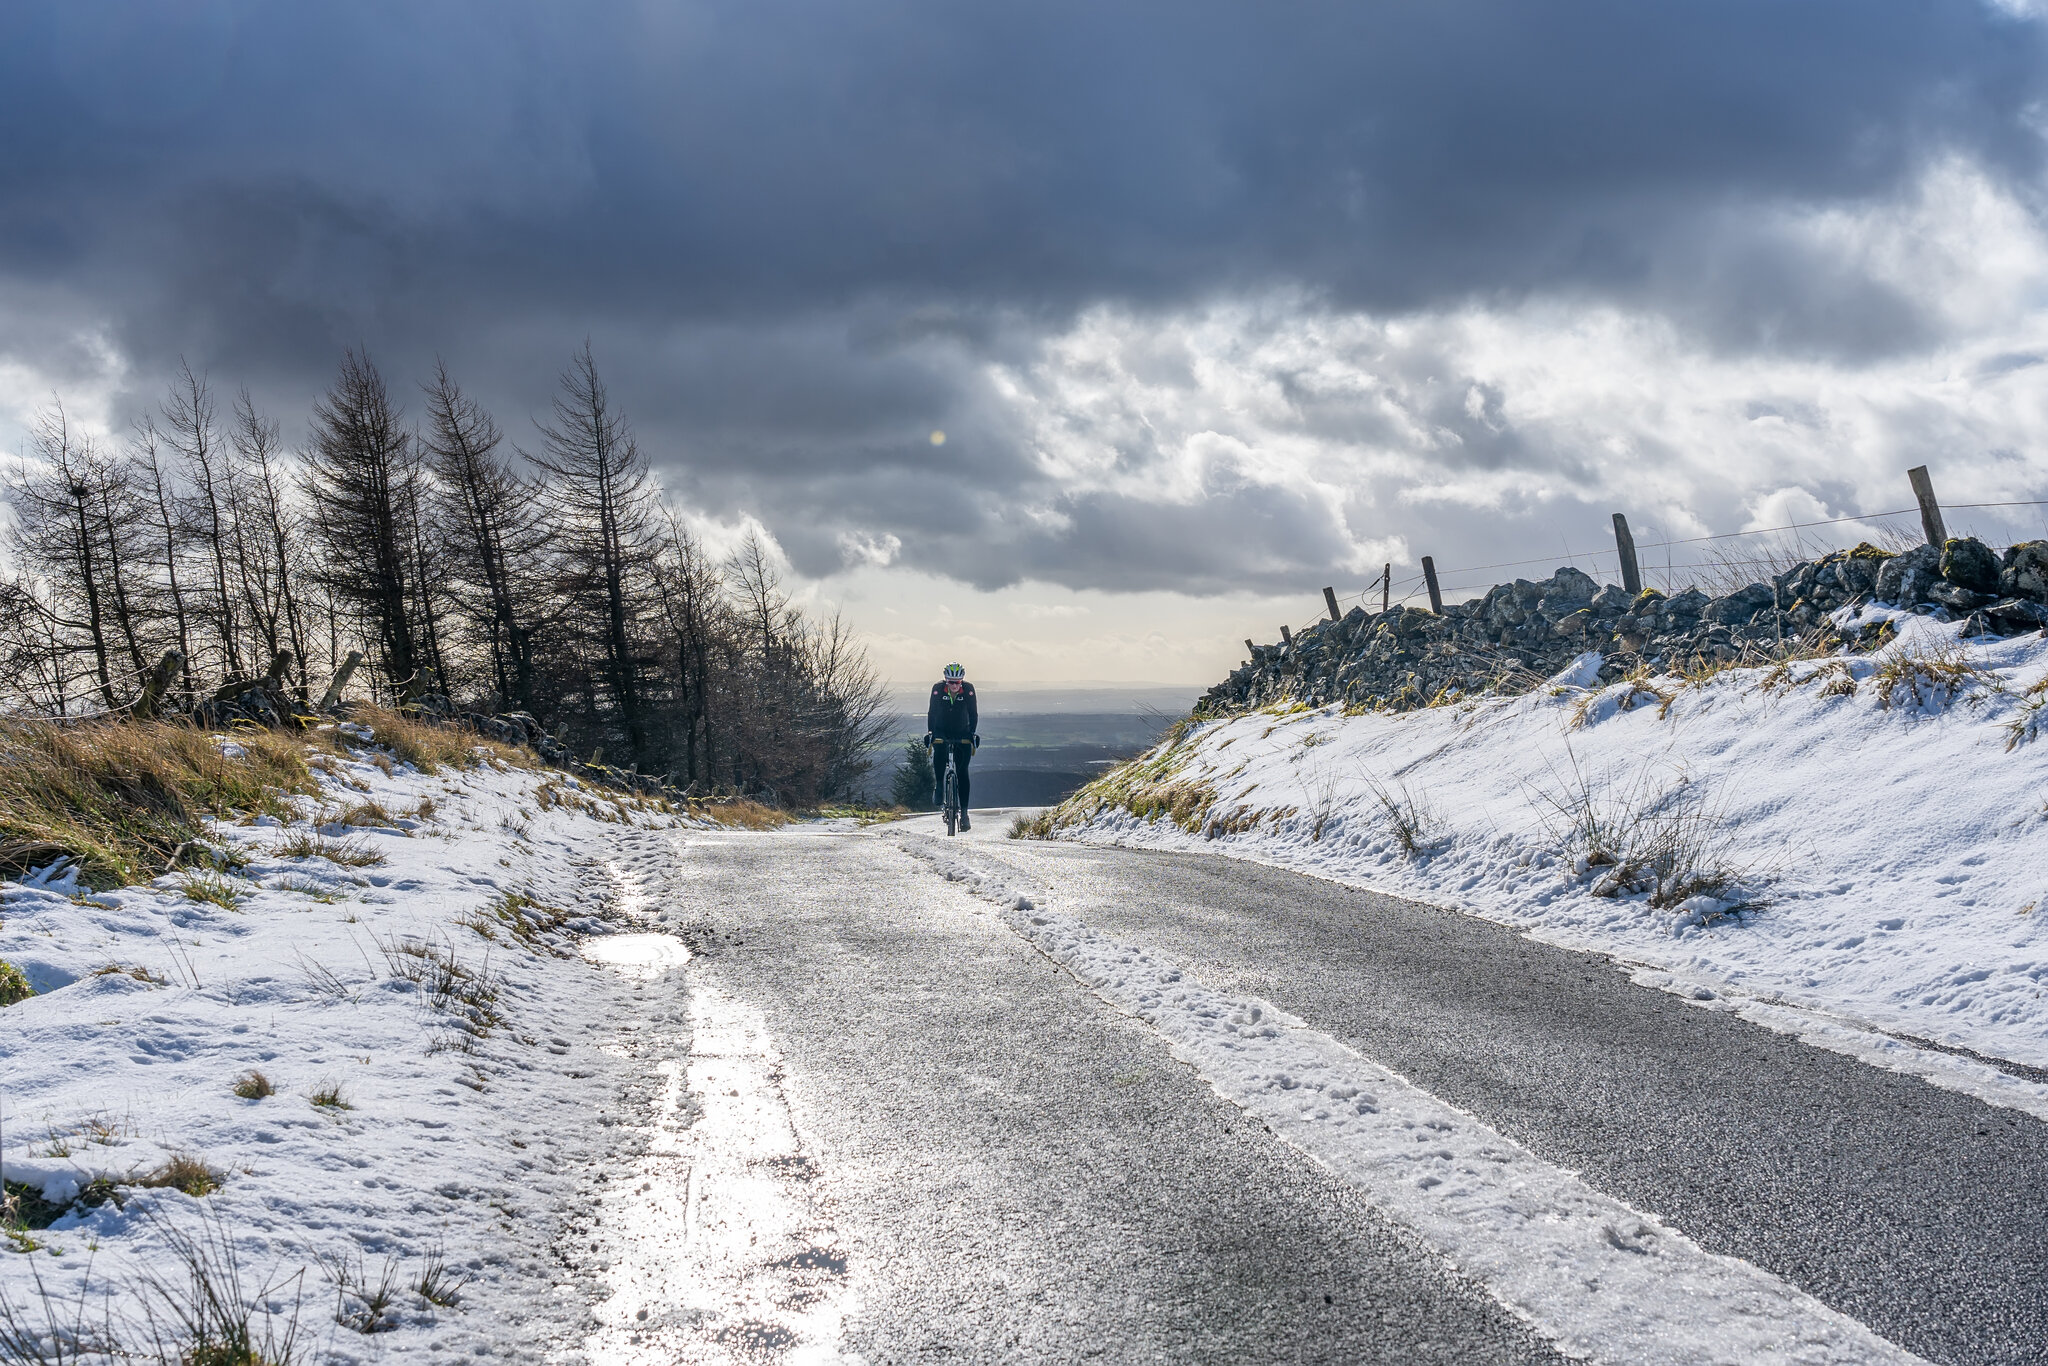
[[159, 510], [191, 432], [493, 524], [600, 493], [265, 532], [72, 592]]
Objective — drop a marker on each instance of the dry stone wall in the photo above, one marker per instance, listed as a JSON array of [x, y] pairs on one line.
[[1522, 632]]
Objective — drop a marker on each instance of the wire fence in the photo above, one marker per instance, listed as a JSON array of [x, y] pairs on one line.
[[1747, 561]]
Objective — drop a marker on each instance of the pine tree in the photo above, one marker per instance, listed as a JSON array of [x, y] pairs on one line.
[[912, 784]]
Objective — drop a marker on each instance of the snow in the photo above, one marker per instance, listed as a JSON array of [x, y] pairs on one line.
[[1592, 1274], [1898, 845], [464, 1136]]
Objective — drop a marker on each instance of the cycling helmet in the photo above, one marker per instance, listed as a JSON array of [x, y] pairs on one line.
[[954, 673]]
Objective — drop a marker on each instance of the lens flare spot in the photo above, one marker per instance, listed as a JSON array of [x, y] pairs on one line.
[[938, 438]]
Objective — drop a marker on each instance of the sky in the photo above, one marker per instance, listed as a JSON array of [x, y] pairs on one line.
[[1080, 341]]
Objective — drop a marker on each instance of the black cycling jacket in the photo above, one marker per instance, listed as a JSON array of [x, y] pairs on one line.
[[952, 716]]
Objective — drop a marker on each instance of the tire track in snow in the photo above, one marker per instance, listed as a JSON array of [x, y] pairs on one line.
[[1600, 1279]]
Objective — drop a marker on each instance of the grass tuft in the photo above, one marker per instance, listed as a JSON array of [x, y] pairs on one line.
[[350, 853], [436, 1284], [253, 1085], [1666, 842], [205, 885], [1931, 675], [328, 1096], [183, 1172], [358, 1304]]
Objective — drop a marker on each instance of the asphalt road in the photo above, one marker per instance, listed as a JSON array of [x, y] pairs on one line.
[[1024, 1174]]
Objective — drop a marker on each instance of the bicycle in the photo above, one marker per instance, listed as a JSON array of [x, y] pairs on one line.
[[951, 804]]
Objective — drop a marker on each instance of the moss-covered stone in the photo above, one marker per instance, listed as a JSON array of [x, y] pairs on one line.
[[1968, 563]]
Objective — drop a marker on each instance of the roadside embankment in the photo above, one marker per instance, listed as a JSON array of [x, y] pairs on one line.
[[1863, 834]]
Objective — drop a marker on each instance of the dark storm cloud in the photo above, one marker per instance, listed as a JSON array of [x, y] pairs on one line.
[[797, 232]]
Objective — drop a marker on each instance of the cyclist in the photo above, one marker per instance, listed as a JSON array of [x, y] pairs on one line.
[[950, 725]]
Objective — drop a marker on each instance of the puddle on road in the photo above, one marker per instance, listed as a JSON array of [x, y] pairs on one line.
[[642, 957], [718, 1247]]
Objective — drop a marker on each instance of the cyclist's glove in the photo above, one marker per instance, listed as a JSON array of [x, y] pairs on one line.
[[975, 743], [927, 739]]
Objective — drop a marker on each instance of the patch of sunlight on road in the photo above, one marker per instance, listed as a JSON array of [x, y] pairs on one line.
[[719, 1245]]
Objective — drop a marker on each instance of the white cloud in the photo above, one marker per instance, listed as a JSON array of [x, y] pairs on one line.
[[1496, 430]]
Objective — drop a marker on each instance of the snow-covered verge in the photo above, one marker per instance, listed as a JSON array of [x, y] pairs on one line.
[[367, 1045], [1862, 835]]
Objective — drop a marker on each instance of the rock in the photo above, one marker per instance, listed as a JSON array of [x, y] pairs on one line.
[[1567, 591], [1686, 606], [1968, 563], [1856, 570], [1647, 603], [2015, 616], [1611, 601], [2025, 574], [1960, 601], [1904, 579], [1738, 607]]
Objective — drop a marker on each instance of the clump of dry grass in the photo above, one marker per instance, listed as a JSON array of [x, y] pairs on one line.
[[1933, 673], [1637, 837], [183, 1172], [327, 1095], [1636, 690], [122, 797], [466, 994], [1039, 826], [253, 1085], [1416, 825], [345, 853], [743, 812], [525, 917], [2031, 717], [139, 973]]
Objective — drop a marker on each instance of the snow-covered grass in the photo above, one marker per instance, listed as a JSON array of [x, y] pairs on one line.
[[1863, 835], [346, 1070]]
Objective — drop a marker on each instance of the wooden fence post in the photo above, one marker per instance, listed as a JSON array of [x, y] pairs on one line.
[[1330, 600], [1625, 546], [331, 699], [1436, 596], [1930, 511], [1286, 636], [1386, 585], [158, 683]]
